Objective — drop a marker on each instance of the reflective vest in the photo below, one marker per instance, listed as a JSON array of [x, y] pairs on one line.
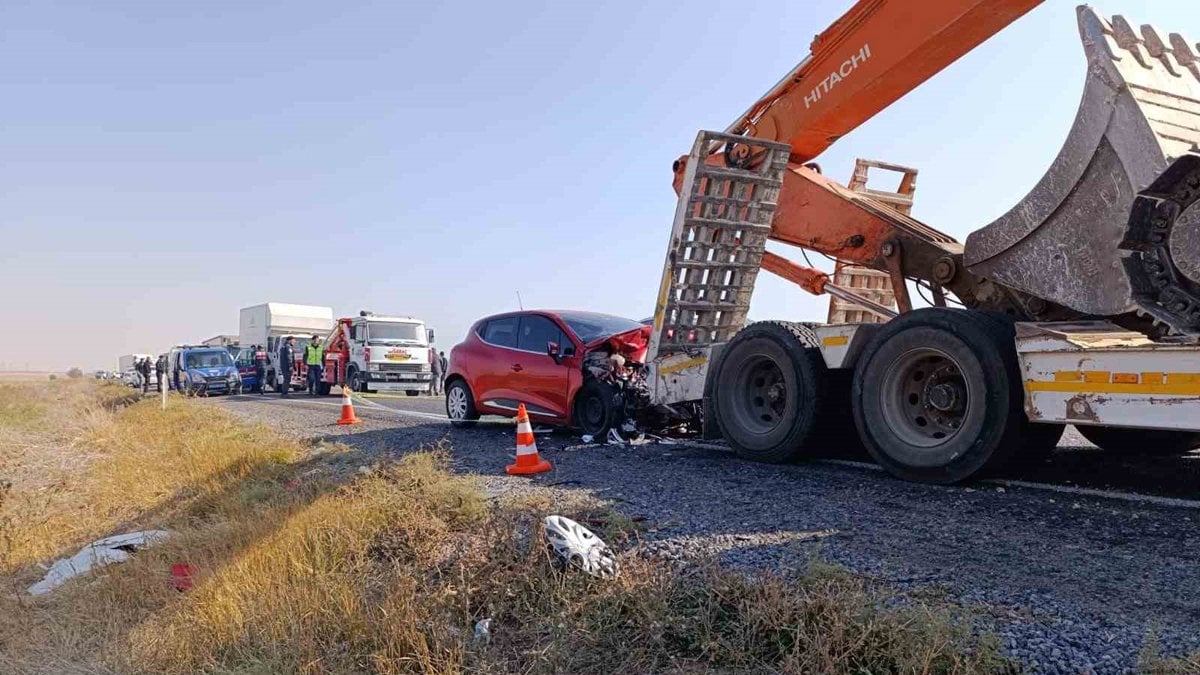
[[313, 354]]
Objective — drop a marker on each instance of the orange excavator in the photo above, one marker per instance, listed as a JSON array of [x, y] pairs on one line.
[[1109, 237]]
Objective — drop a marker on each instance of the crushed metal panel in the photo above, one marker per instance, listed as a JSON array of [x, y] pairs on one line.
[[1084, 373]]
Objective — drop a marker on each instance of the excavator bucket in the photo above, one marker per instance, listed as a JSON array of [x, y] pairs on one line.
[[1077, 239]]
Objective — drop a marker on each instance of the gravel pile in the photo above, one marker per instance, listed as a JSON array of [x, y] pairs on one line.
[[1071, 583]]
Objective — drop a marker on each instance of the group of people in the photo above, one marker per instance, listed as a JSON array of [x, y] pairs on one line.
[[314, 362], [143, 366]]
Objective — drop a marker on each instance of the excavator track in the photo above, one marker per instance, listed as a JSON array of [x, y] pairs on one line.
[[1108, 230], [1164, 226]]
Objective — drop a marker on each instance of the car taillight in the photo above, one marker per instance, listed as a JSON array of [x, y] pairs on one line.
[[367, 353]]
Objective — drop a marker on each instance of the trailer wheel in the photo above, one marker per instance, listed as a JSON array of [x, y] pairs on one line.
[[460, 404], [1144, 442], [769, 388], [936, 395]]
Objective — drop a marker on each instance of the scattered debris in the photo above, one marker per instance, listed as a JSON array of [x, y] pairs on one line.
[[614, 438], [99, 553], [483, 630], [183, 576], [577, 546]]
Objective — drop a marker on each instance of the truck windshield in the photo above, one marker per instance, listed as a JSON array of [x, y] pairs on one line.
[[208, 359], [413, 332]]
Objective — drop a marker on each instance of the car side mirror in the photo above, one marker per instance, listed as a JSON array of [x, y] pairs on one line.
[[553, 351]]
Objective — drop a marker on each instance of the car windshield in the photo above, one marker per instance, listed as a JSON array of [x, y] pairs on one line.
[[208, 359], [589, 327], [395, 331]]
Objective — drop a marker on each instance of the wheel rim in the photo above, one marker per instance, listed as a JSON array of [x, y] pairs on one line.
[[760, 396], [925, 399], [456, 403]]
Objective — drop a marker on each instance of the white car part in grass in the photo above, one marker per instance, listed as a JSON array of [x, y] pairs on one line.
[[577, 546], [99, 553]]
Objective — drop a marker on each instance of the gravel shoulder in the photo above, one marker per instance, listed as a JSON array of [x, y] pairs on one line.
[[1072, 583]]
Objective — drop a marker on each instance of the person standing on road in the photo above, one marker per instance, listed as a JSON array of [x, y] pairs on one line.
[[314, 357], [445, 369], [160, 371], [143, 368], [260, 368], [287, 358], [435, 367]]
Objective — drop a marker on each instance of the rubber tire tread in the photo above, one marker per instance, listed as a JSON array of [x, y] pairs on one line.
[[970, 327], [797, 342]]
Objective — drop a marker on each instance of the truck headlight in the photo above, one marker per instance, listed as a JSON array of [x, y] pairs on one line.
[[425, 368], [373, 367]]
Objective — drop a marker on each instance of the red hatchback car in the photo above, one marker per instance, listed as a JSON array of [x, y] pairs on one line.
[[563, 365]]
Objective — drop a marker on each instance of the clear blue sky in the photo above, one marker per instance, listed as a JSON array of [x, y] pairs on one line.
[[166, 163]]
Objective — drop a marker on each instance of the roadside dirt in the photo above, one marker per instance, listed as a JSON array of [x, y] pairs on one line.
[[1072, 583]]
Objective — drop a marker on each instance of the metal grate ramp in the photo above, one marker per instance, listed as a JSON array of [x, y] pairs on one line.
[[717, 243]]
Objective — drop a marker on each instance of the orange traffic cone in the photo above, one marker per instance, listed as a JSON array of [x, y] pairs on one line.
[[347, 408], [528, 459]]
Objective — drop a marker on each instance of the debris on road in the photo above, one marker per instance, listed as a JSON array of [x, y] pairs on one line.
[[483, 630], [578, 546], [183, 576], [99, 553]]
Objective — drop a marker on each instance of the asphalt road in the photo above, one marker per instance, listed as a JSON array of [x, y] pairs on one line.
[[1075, 577]]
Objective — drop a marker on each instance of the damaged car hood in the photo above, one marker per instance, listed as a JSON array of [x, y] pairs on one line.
[[631, 344]]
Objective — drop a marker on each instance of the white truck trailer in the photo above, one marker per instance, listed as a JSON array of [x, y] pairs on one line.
[[270, 323]]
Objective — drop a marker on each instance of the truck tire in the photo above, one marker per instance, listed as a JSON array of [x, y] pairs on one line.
[[460, 404], [323, 388], [937, 395], [597, 408], [354, 380], [412, 392], [768, 391], [1143, 442]]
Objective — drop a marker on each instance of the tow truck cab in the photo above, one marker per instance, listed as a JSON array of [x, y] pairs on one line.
[[371, 352]]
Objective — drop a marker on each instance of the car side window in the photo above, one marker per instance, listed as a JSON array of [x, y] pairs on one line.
[[536, 331], [502, 332]]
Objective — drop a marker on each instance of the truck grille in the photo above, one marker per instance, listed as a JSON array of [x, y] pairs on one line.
[[401, 367]]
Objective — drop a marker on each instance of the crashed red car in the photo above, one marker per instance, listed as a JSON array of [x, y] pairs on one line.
[[569, 368]]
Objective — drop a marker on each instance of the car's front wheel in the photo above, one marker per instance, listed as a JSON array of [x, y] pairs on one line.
[[597, 408], [460, 405]]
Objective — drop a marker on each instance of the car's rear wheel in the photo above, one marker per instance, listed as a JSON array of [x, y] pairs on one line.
[[460, 404], [597, 408], [1144, 442]]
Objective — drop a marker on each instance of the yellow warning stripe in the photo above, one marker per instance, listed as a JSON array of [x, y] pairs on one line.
[[682, 365], [1106, 382], [835, 341]]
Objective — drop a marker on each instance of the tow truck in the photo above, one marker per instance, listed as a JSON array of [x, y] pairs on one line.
[[375, 353]]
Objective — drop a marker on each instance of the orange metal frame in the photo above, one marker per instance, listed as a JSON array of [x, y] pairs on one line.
[[869, 58]]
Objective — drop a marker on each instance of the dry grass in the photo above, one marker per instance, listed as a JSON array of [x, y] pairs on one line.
[[301, 570]]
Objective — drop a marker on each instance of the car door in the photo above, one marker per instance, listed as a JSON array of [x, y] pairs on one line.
[[541, 380], [492, 369]]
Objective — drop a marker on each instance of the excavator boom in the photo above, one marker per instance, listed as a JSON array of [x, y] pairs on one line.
[[874, 54]]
